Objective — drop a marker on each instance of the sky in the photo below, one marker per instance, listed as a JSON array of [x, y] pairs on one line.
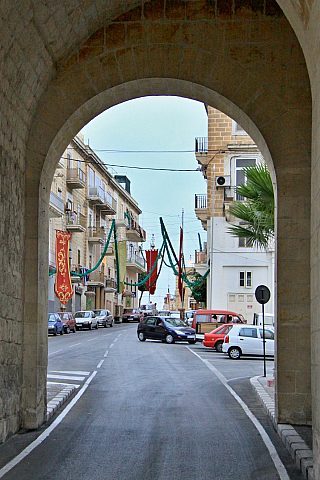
[[156, 132]]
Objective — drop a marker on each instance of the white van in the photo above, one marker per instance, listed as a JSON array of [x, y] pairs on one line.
[[268, 319]]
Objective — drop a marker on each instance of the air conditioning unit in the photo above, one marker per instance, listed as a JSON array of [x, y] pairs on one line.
[[223, 181]]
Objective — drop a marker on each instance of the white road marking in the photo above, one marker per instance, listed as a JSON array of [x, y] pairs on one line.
[[265, 437], [114, 341], [61, 383], [57, 351], [47, 432], [111, 345], [66, 377], [91, 340], [77, 372], [100, 363], [106, 354], [75, 344]]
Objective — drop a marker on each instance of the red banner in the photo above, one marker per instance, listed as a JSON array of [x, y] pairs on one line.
[[63, 286], [151, 256]]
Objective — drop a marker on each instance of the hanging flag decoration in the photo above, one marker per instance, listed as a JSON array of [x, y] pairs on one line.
[[63, 286], [122, 249], [151, 256], [180, 286]]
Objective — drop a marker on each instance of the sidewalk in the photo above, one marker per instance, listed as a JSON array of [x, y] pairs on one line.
[[298, 440], [57, 395]]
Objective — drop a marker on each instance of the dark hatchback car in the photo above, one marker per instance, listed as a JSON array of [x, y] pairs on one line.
[[167, 329]]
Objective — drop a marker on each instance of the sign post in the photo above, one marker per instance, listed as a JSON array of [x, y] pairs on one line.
[[262, 294]]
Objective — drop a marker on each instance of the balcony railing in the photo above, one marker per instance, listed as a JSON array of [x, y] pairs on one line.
[[76, 178], [135, 233], [200, 257], [201, 145], [136, 259], [76, 222], [200, 201], [56, 205], [103, 200], [96, 234]]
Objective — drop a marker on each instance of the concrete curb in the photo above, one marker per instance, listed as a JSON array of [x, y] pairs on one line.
[[296, 446], [59, 400]]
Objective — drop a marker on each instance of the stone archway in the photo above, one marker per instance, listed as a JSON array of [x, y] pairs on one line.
[[246, 62], [63, 65]]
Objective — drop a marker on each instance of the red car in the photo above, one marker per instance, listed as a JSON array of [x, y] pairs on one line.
[[215, 338], [69, 323]]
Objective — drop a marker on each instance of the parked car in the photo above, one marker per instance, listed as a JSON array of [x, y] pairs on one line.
[[86, 319], [132, 315], [248, 340], [55, 324], [167, 329], [104, 317], [215, 338], [189, 316], [69, 323]]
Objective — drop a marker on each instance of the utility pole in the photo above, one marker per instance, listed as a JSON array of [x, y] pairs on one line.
[[210, 290]]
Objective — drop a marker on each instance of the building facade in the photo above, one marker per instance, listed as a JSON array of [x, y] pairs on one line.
[[236, 266], [84, 200]]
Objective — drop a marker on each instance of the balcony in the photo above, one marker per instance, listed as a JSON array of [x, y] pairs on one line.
[[136, 263], [76, 178], [56, 206], [96, 235], [96, 278], [135, 233], [200, 262], [201, 209], [111, 285], [201, 150], [76, 222], [102, 200]]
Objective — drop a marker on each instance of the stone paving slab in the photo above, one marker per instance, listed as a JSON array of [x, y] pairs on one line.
[[293, 440]]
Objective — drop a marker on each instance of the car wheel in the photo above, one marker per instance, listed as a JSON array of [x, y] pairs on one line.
[[141, 337], [90, 326], [219, 347], [76, 328], [68, 329], [191, 342], [234, 353], [97, 326], [62, 332], [106, 324], [55, 332], [169, 338]]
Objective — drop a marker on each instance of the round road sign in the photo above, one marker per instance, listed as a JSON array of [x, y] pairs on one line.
[[262, 294]]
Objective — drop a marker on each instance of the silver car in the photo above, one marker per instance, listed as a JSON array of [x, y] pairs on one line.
[[86, 319], [104, 317]]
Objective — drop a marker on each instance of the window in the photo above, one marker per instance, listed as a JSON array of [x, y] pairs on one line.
[[240, 177], [245, 279], [237, 129], [69, 163], [79, 164], [91, 177], [79, 256], [248, 332], [59, 192], [244, 242], [268, 334]]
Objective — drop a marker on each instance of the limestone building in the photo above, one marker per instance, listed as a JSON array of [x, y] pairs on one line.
[[237, 266], [84, 199]]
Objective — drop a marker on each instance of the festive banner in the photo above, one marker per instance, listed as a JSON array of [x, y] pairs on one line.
[[151, 256], [122, 249], [63, 286], [180, 287]]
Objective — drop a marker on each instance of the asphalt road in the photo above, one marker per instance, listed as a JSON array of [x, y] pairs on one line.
[[151, 411]]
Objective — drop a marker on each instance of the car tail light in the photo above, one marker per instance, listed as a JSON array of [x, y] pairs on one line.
[[226, 339]]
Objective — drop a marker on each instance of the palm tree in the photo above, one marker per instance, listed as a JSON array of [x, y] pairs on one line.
[[257, 211]]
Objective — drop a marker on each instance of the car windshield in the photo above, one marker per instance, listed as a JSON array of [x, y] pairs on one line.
[[135, 310], [63, 315], [100, 312], [82, 314], [128, 310], [52, 318], [175, 322]]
